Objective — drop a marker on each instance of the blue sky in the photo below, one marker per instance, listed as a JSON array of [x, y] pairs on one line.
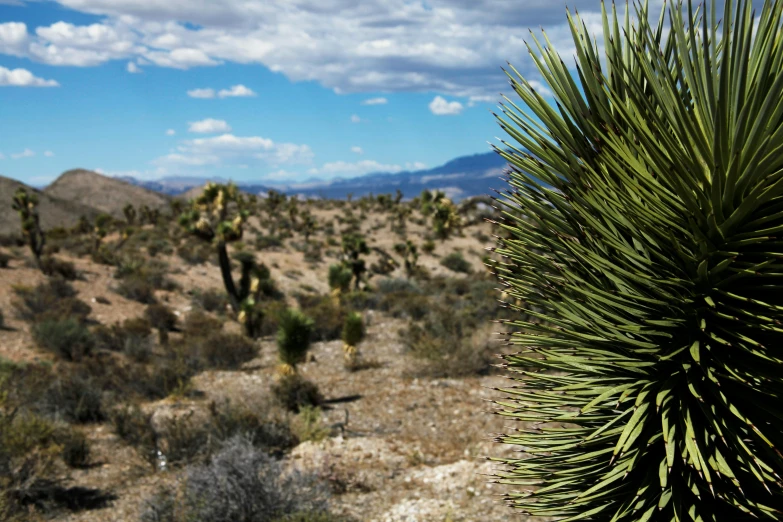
[[262, 91]]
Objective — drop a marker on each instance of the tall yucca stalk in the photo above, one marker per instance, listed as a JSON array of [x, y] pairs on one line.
[[645, 238]]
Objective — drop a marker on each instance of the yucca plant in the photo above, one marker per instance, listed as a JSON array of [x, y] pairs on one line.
[[293, 340], [352, 335], [644, 228]]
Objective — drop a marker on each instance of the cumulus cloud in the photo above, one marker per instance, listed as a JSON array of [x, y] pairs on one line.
[[228, 148], [170, 132], [347, 169], [209, 125], [355, 118], [375, 101], [440, 107], [26, 153], [357, 150], [132, 68], [453, 48], [23, 78], [201, 93], [49, 154], [236, 91]]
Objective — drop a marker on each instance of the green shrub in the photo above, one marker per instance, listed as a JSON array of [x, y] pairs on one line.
[[294, 392], [4, 260], [163, 319], [340, 277], [224, 350], [198, 324], [73, 397], [456, 263], [211, 300], [54, 299], [67, 338], [75, 448], [428, 247], [268, 242], [327, 315], [137, 288], [52, 266], [293, 337], [353, 329]]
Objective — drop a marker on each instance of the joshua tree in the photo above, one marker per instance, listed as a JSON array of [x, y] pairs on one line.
[[293, 340], [352, 335], [130, 214], [354, 246], [445, 218], [645, 227], [27, 207], [308, 225], [218, 216], [410, 256], [273, 203]]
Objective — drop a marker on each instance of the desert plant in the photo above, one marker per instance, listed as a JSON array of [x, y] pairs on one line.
[[210, 219], [67, 337], [130, 214], [643, 228], [240, 483], [352, 335], [354, 246], [456, 263], [308, 226], [161, 317], [410, 256], [340, 278], [445, 218], [272, 204], [27, 207], [293, 340]]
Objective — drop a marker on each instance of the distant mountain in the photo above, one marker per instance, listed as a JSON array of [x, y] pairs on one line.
[[460, 178], [103, 193], [54, 212]]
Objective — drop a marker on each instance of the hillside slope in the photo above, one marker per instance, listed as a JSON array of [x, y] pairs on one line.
[[106, 194], [54, 211]]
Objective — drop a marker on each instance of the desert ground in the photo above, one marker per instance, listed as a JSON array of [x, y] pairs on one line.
[[107, 417]]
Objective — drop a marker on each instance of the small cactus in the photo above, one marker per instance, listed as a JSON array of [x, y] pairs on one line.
[[27, 207], [410, 256], [445, 218], [293, 340]]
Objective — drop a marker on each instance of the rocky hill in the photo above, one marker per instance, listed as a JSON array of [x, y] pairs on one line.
[[54, 211], [103, 193]]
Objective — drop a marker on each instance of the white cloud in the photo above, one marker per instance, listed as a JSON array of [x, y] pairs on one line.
[[357, 150], [230, 149], [375, 101], [26, 153], [23, 78], [13, 38], [344, 168], [201, 93], [453, 49], [209, 125], [440, 107], [49, 154], [2, 156], [416, 165], [183, 58], [355, 118], [236, 91], [473, 100], [170, 132], [132, 68]]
